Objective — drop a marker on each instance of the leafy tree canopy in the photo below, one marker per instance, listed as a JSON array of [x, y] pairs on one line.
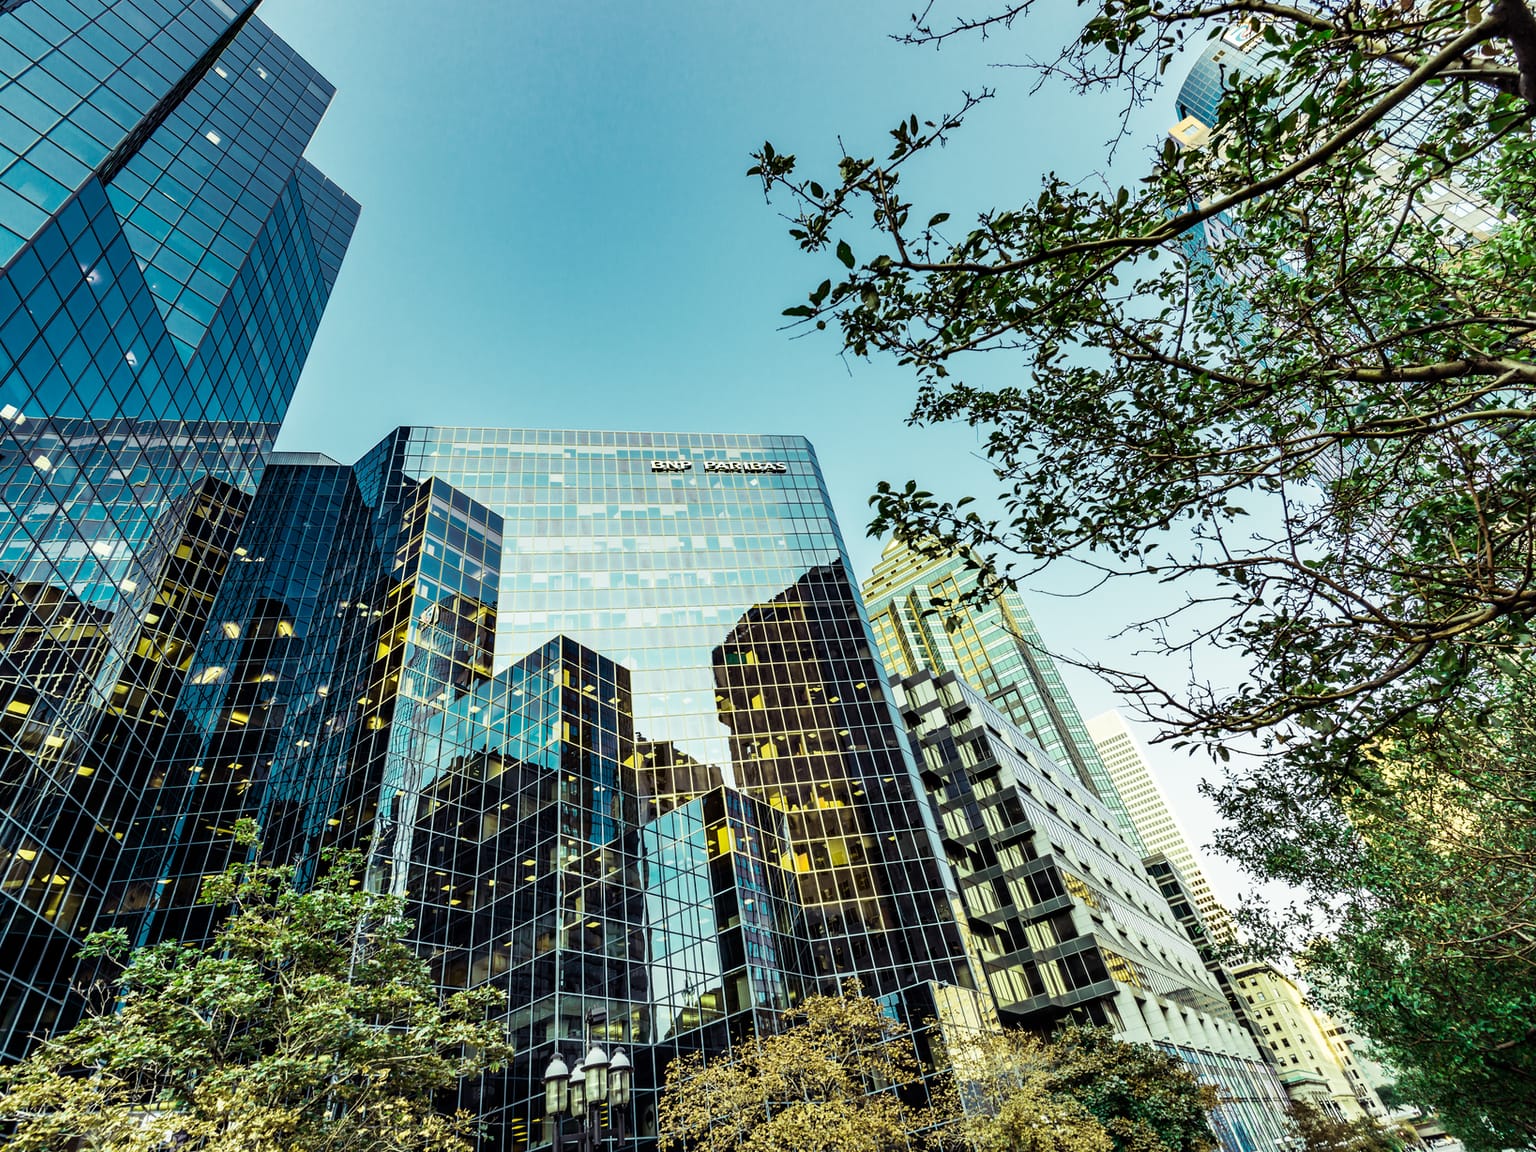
[[1082, 1091], [306, 1022], [1425, 875], [1317, 1131], [1274, 373], [842, 1075], [827, 1083]]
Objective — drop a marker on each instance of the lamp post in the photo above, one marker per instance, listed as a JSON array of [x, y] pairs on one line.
[[584, 1089], [620, 1074], [557, 1091]]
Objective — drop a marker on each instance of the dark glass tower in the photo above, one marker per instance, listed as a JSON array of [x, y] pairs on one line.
[[167, 253], [603, 705]]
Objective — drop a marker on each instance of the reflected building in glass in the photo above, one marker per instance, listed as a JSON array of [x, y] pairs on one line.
[[603, 706], [165, 256]]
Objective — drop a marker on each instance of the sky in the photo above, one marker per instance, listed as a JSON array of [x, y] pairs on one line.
[[557, 232]]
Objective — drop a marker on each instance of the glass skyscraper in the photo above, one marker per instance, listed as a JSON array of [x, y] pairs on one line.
[[167, 253], [920, 623], [603, 706]]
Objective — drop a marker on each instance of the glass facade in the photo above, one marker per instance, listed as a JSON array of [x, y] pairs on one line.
[[1066, 921], [994, 646], [603, 706], [1238, 53], [167, 254]]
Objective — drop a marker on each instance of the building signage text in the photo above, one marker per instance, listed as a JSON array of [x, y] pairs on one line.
[[721, 466]]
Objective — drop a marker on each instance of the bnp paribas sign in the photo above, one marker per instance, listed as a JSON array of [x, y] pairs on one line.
[[721, 466]]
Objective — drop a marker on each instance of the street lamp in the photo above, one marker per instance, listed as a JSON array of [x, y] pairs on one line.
[[619, 1074], [595, 1069], [578, 1092], [584, 1089], [557, 1091]]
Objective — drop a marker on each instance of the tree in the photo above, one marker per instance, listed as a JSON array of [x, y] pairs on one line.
[[842, 1075], [1427, 881], [1276, 376], [1319, 1132], [1082, 1091], [1271, 374], [306, 1022], [831, 1081]]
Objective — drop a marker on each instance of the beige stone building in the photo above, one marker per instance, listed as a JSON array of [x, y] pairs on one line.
[[1315, 1056]]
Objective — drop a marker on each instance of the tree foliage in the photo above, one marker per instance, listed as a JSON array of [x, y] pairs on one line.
[[1272, 373], [1316, 1131], [1427, 876], [842, 1075], [1081, 1091], [829, 1082], [307, 1022]]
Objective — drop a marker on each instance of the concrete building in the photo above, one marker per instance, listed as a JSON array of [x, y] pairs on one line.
[[1313, 1054], [1063, 918], [1149, 810]]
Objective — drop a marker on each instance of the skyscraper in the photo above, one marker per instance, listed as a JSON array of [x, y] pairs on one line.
[[603, 706], [1148, 807], [993, 644], [1065, 918], [167, 253]]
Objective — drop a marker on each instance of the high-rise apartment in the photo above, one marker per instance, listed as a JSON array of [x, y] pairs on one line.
[[925, 615], [603, 706], [1066, 921], [1147, 805], [167, 253]]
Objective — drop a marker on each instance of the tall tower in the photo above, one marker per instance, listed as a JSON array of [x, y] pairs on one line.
[[602, 706], [1148, 807], [167, 253], [1066, 920], [993, 645]]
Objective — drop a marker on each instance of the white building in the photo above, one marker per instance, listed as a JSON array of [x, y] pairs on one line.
[[1153, 816]]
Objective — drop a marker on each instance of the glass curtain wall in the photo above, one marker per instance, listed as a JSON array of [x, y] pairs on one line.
[[603, 706], [167, 254]]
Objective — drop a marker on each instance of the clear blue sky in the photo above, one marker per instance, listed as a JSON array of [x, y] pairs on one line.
[[557, 230]]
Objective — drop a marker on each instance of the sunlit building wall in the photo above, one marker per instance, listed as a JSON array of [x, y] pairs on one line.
[[1312, 1052], [926, 615]]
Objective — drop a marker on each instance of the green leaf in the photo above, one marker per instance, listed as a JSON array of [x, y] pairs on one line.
[[845, 253]]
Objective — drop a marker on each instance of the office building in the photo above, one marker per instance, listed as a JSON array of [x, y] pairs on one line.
[[1059, 908], [603, 706], [167, 253], [926, 615], [1315, 1056], [1147, 805]]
